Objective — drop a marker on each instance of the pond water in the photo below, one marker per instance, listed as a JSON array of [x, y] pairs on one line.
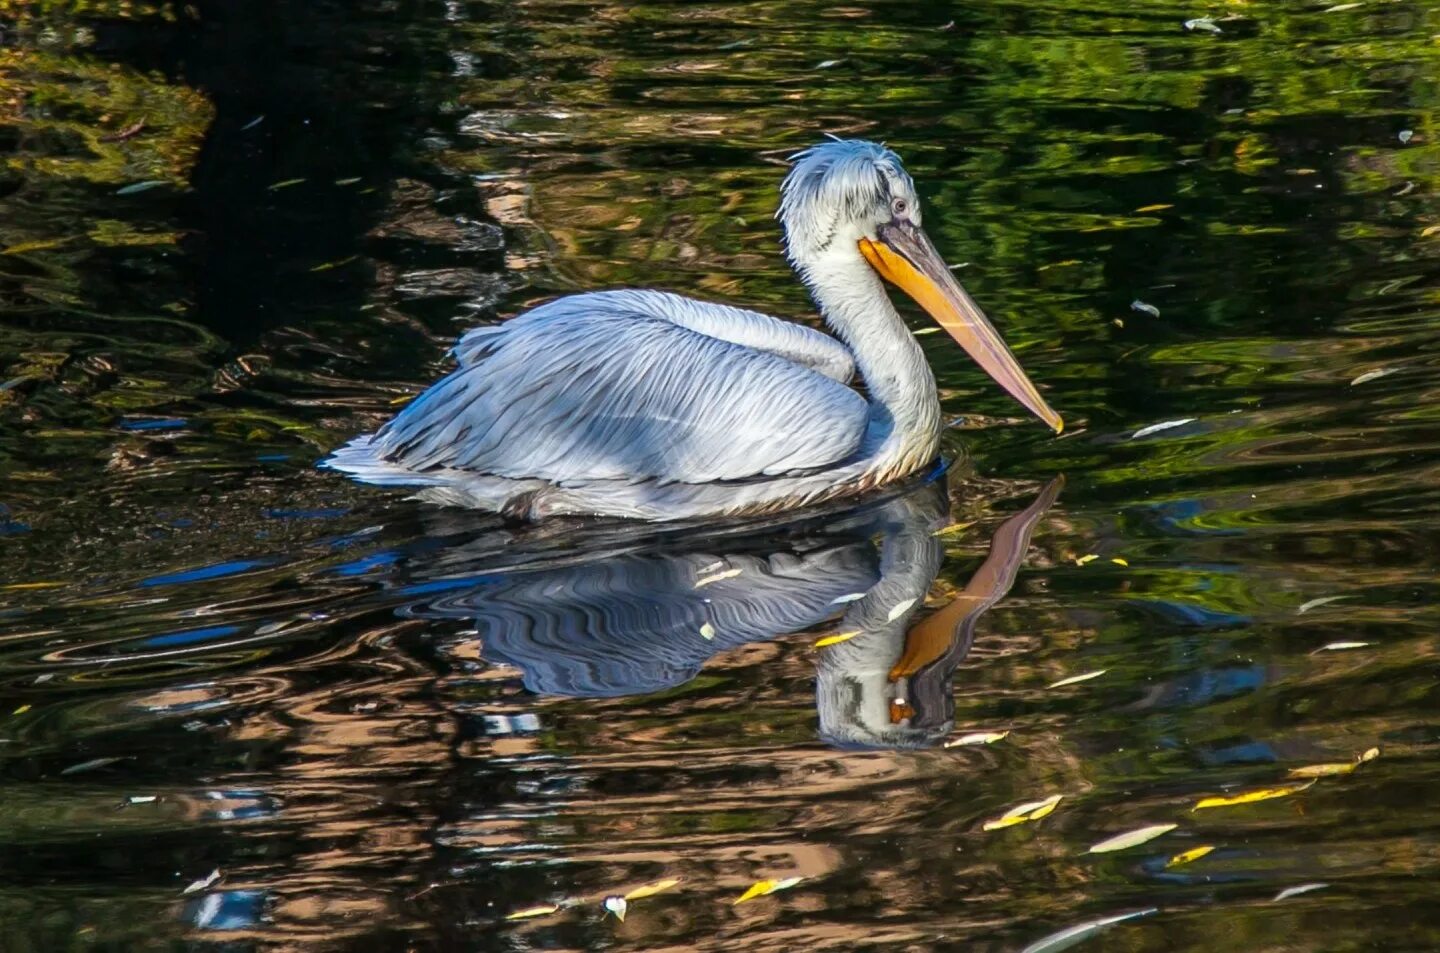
[[248, 705]]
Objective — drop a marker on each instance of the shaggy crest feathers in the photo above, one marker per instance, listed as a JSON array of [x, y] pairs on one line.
[[830, 184]]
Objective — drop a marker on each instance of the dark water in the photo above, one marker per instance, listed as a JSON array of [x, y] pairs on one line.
[[388, 726]]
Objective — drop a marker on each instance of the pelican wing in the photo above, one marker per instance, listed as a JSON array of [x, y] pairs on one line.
[[587, 389]]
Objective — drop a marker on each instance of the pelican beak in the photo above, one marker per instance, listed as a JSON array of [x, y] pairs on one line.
[[904, 256]]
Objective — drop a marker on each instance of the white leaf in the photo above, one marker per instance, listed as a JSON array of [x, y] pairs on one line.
[[1372, 375], [1342, 646], [1167, 425], [1142, 307], [1132, 838], [204, 882], [1074, 679], [900, 609], [851, 597], [1317, 603], [707, 631], [1072, 935], [1289, 892]]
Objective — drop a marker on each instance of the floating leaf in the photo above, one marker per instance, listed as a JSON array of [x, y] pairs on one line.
[[1324, 770], [707, 631], [1167, 425], [1120, 561], [1075, 679], [1189, 856], [1406, 135], [1133, 838], [617, 905], [923, 331], [1154, 208], [764, 887], [350, 181], [1432, 230], [848, 597], [22, 709], [1150, 309], [1024, 813], [900, 609], [528, 912], [1072, 935], [1372, 375], [1370, 754], [836, 639], [1250, 797], [204, 883], [141, 799], [285, 184], [90, 765], [1087, 559], [977, 738], [137, 187], [1342, 646], [953, 528], [1341, 7], [651, 889], [1289, 892], [1317, 603], [716, 577], [1202, 23], [338, 263]]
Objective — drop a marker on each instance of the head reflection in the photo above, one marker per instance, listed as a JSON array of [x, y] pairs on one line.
[[637, 615]]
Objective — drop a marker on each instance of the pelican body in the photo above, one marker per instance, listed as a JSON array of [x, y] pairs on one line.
[[651, 405]]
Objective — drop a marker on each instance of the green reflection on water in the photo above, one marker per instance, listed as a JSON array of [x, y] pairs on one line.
[[1251, 185]]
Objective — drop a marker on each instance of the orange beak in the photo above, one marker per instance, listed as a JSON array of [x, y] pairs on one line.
[[904, 256]]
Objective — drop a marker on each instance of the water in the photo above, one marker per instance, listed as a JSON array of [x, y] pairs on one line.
[[387, 727]]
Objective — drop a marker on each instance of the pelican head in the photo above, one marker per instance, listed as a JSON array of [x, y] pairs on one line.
[[848, 207]]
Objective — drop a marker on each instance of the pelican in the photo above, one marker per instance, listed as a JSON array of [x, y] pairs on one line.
[[650, 405]]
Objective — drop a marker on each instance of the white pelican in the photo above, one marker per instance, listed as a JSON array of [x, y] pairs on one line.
[[650, 405]]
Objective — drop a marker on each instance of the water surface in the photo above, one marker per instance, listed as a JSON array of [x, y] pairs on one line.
[[385, 726]]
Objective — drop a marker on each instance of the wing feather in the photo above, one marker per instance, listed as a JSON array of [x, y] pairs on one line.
[[595, 392]]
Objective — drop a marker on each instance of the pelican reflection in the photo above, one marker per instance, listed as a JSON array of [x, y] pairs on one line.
[[643, 613]]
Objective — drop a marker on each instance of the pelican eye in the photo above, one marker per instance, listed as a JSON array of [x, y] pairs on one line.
[[899, 206]]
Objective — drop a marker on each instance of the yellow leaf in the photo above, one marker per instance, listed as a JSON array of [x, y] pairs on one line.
[[33, 585], [1119, 561], [977, 738], [1370, 755], [953, 528], [1073, 679], [649, 890], [836, 639], [1194, 853], [529, 912], [402, 399], [1323, 770], [1083, 560], [1132, 838], [1020, 814], [1250, 797], [22, 710], [1154, 208], [763, 887], [707, 632], [758, 889], [1432, 230], [716, 577]]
